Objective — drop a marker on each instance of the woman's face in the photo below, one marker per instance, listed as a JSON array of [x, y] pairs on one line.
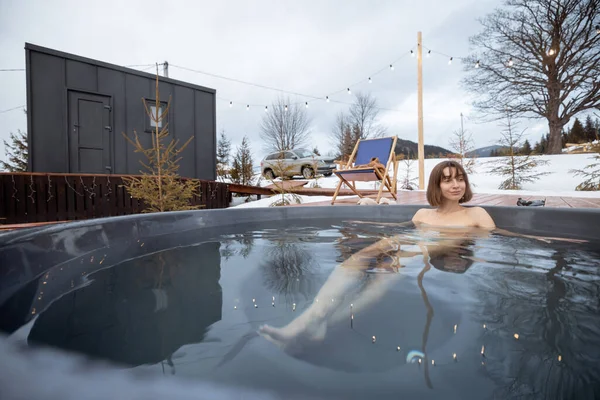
[[453, 186]]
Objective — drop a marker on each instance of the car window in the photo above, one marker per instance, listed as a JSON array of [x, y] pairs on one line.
[[288, 155], [303, 153]]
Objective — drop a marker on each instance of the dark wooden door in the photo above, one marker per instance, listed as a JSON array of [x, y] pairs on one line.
[[90, 133]]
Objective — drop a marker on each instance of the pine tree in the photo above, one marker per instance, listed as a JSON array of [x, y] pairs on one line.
[[223, 154], [17, 152], [160, 187], [516, 169], [242, 169], [576, 133], [526, 149], [589, 129]]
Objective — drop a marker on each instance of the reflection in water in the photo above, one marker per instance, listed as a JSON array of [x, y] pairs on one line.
[[237, 244], [138, 312], [557, 354], [288, 269], [527, 309]]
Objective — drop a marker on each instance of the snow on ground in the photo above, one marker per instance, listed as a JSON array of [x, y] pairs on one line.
[[268, 201], [558, 182]]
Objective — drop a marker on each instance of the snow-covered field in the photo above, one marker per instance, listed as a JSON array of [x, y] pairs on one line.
[[559, 181]]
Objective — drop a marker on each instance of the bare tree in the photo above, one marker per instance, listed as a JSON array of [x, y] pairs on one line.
[[338, 134], [363, 114], [516, 169], [462, 144], [285, 126], [359, 123], [542, 55]]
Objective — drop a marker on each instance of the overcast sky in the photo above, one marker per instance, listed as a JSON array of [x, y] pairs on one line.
[[313, 47]]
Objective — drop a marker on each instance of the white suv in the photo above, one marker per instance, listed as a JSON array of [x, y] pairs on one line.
[[294, 162]]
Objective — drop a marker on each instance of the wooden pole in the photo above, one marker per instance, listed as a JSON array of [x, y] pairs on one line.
[[420, 107]]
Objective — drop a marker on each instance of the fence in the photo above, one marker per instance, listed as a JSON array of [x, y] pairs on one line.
[[41, 197]]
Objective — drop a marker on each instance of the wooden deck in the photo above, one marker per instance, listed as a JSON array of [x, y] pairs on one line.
[[419, 197]]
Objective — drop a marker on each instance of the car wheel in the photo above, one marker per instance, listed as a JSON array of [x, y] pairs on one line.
[[269, 175], [308, 173]]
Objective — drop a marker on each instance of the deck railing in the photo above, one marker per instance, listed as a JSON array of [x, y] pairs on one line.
[[46, 197]]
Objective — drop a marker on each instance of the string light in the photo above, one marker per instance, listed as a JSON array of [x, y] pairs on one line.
[[247, 107], [286, 107], [306, 104], [598, 29], [231, 104], [429, 53], [266, 108], [510, 62], [412, 53], [450, 62], [369, 79], [477, 64]]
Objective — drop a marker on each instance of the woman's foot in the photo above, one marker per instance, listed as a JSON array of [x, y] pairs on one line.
[[295, 335]]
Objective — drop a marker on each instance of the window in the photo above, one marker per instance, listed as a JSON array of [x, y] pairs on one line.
[[288, 155], [150, 123]]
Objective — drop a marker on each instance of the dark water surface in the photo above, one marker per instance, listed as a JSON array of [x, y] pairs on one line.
[[497, 317]]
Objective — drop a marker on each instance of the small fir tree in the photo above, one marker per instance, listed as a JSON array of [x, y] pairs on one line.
[[223, 155], [407, 181], [515, 169], [17, 152], [591, 173], [160, 187], [462, 144], [242, 169]]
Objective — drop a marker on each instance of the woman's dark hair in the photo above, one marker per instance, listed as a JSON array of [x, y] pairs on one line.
[[441, 260], [434, 193]]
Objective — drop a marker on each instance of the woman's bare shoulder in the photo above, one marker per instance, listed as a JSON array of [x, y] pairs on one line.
[[481, 216], [422, 215]]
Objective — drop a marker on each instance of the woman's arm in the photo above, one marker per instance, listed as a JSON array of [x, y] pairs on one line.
[[546, 239]]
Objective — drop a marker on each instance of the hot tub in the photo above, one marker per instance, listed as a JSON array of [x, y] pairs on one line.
[[176, 304]]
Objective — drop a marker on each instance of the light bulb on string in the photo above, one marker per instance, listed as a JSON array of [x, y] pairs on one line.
[[327, 98], [286, 107], [370, 80], [477, 64], [306, 104], [412, 53], [231, 104], [429, 53], [391, 67], [349, 92], [266, 108], [598, 29], [510, 62], [247, 107], [450, 61]]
